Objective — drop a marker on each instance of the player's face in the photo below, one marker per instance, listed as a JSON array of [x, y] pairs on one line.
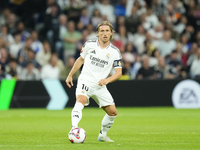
[[104, 33]]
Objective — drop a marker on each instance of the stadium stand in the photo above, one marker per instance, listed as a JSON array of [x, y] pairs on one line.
[[157, 39]]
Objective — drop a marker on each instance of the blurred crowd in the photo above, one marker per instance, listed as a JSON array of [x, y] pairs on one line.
[[158, 39]]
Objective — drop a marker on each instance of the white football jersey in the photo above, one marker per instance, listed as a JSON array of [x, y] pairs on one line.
[[98, 62]]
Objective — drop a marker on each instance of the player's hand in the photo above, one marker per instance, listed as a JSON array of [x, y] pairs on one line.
[[103, 82], [69, 82]]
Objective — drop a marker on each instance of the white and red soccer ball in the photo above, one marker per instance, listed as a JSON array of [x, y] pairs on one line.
[[77, 135]]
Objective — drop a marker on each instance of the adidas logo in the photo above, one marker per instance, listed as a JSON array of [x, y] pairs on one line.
[[93, 52]]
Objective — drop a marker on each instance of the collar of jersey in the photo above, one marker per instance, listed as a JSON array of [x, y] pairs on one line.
[[100, 47]]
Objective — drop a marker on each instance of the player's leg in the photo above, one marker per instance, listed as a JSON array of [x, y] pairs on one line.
[[106, 102], [76, 114], [108, 120]]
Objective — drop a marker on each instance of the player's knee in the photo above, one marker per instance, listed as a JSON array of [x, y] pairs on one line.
[[113, 113], [81, 99]]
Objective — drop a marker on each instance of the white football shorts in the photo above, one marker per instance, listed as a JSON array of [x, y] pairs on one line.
[[100, 94]]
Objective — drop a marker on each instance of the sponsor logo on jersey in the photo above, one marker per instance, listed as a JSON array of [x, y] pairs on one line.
[[93, 52], [98, 62], [108, 55], [81, 50]]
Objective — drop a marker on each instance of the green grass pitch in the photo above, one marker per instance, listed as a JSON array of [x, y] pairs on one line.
[[153, 128]]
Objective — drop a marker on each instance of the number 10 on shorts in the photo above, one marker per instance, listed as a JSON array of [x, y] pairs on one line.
[[84, 87]]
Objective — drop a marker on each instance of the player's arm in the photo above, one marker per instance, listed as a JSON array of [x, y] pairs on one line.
[[78, 63], [114, 77]]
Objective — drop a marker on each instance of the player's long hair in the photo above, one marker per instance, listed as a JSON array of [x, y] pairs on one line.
[[105, 23]]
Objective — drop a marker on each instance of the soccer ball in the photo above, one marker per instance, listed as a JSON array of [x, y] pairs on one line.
[[77, 135]]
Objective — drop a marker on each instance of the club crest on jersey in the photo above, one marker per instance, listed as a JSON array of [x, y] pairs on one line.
[[108, 55], [93, 52], [83, 91]]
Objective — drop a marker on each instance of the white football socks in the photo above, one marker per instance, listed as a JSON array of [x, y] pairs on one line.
[[76, 114], [106, 124]]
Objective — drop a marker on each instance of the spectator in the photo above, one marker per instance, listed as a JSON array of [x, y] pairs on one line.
[[30, 58], [172, 15], [123, 35], [186, 46], [192, 54], [11, 23], [125, 75], [13, 69], [69, 65], [139, 38], [62, 26], [130, 73], [190, 33], [132, 21], [166, 45], [146, 72], [151, 17], [157, 7], [137, 65], [140, 7], [153, 60], [80, 43], [3, 75], [107, 10], [51, 71], [128, 55], [51, 25], [120, 9], [59, 47], [24, 33], [36, 45], [60, 65], [43, 57], [195, 69], [30, 72], [84, 19], [22, 55], [2, 43], [90, 7], [164, 71], [70, 39], [96, 18], [8, 38], [91, 34], [174, 62], [73, 11], [4, 16], [3, 58], [15, 47], [180, 27], [156, 34]]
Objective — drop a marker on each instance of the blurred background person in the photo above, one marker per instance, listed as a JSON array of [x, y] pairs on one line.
[[15, 47], [146, 72], [29, 72], [43, 57], [69, 64], [50, 70], [70, 39], [195, 66], [167, 44], [125, 75], [30, 57], [13, 69]]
